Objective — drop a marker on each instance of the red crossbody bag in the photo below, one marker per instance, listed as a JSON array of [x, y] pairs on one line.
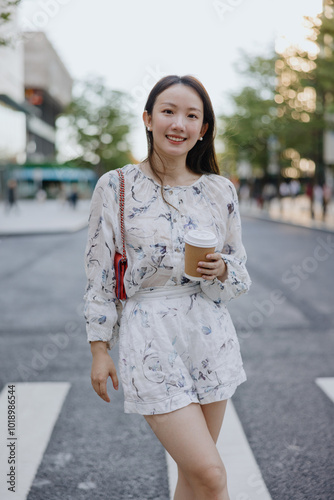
[[120, 261]]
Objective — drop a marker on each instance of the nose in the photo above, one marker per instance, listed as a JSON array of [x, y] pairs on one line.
[[178, 123]]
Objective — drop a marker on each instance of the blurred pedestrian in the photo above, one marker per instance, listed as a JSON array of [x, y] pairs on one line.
[[284, 189], [318, 195], [295, 188], [244, 193], [269, 192], [257, 194], [179, 356], [310, 195], [11, 201], [41, 195], [73, 196], [284, 192], [62, 195], [326, 198]]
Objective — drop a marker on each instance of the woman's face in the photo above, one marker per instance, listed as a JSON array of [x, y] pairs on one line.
[[176, 121]]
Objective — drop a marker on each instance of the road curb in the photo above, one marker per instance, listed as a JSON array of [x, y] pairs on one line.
[[45, 232], [282, 221]]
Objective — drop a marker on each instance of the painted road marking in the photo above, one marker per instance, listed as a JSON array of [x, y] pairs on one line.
[[37, 409], [245, 480], [327, 385]]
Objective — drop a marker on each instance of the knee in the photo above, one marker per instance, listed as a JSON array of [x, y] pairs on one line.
[[212, 480]]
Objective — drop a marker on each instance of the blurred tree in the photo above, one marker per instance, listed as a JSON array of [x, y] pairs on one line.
[[246, 132], [289, 102], [305, 93], [7, 8], [97, 123]]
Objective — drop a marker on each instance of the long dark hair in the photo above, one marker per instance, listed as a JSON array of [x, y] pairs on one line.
[[201, 159]]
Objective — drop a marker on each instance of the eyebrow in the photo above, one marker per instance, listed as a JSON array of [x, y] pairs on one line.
[[174, 106]]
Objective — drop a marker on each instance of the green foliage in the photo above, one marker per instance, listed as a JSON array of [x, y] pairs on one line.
[[288, 96], [7, 8], [98, 122], [308, 92], [246, 132], [323, 73]]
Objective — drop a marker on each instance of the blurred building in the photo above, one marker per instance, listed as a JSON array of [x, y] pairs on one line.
[[12, 111], [48, 89], [35, 87]]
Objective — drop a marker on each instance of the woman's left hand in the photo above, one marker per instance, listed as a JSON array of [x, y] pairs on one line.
[[216, 268]]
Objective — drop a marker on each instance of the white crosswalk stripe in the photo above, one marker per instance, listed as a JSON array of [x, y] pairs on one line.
[[37, 408], [245, 481], [327, 385]]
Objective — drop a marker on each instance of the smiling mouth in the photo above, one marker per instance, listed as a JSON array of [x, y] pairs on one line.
[[175, 138]]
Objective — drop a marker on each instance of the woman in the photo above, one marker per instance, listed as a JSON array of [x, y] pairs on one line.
[[179, 356]]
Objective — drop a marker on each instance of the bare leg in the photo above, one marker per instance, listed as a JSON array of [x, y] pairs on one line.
[[183, 490], [185, 435], [214, 415]]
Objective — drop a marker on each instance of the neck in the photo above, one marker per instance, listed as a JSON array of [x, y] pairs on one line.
[[171, 169]]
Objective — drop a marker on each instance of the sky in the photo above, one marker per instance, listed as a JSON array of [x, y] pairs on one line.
[[133, 43]]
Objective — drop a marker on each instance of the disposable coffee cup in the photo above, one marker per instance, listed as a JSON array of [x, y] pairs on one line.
[[197, 245]]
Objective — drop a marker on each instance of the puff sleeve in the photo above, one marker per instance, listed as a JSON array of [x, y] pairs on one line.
[[101, 304], [234, 255]]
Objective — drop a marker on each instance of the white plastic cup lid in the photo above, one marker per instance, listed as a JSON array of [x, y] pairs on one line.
[[199, 238]]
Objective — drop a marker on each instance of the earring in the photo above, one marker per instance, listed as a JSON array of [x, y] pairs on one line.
[[201, 138], [149, 129]]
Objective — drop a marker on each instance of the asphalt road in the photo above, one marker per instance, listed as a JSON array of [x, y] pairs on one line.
[[286, 330]]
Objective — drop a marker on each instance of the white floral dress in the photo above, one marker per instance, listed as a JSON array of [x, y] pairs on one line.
[[178, 344]]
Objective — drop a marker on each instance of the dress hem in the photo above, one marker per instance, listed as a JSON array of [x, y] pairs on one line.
[[182, 400]]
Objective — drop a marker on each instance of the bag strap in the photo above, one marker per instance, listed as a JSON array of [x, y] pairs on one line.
[[121, 209]]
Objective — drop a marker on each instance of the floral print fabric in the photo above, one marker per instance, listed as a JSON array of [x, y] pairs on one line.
[[154, 238], [177, 349]]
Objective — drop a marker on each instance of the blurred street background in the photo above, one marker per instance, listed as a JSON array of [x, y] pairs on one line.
[[74, 77]]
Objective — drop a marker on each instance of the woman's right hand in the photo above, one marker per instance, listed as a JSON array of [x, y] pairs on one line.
[[102, 367]]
